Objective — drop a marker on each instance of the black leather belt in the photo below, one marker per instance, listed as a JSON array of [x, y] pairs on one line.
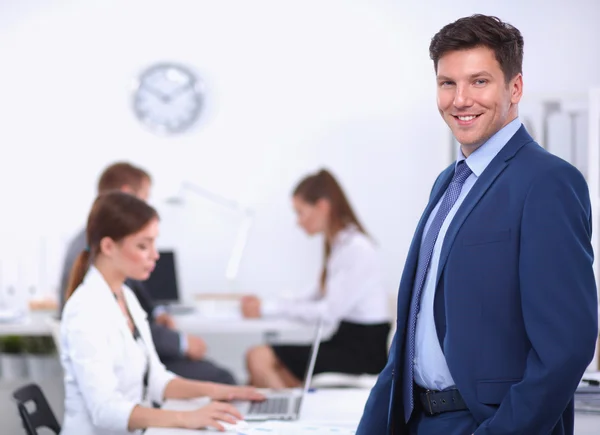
[[436, 402]]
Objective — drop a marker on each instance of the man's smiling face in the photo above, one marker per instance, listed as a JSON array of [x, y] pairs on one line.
[[473, 96]]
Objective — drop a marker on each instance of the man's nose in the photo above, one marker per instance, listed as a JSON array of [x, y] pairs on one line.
[[462, 97]]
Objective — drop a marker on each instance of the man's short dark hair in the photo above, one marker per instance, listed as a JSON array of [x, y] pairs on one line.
[[502, 38], [122, 174]]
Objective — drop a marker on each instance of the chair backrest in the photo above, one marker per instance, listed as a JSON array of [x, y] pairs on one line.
[[41, 416]]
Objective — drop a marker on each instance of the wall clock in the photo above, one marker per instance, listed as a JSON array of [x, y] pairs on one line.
[[168, 98]]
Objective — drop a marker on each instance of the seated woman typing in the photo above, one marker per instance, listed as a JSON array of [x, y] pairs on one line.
[[349, 294], [112, 372]]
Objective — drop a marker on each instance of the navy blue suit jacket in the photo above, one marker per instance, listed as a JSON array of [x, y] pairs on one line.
[[516, 303]]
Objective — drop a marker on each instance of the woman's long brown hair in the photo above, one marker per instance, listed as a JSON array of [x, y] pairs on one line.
[[323, 185], [115, 215]]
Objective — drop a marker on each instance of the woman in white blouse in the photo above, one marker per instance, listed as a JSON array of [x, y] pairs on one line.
[[113, 377], [350, 294]]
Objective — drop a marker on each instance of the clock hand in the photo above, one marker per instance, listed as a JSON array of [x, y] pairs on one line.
[[160, 95], [177, 92]]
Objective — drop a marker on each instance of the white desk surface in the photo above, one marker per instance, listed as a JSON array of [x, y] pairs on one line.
[[328, 411], [36, 323], [326, 408], [196, 323]]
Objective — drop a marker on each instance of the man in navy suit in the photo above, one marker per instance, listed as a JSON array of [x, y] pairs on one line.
[[497, 305]]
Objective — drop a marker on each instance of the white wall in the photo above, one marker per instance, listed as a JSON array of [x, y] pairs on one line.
[[292, 86]]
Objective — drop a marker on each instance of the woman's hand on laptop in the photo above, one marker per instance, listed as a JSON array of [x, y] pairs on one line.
[[210, 416], [233, 392]]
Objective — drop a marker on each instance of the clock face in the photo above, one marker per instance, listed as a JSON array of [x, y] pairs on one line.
[[168, 98]]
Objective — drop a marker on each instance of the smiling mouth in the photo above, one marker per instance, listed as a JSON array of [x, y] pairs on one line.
[[466, 118]]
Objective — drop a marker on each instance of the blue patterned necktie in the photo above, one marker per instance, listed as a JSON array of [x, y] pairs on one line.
[[461, 173]]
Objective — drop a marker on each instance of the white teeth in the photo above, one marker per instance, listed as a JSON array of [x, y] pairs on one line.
[[466, 118]]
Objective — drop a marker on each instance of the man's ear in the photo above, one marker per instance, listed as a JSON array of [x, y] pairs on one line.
[[516, 89], [107, 246]]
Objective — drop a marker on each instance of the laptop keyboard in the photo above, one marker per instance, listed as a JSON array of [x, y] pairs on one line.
[[274, 405]]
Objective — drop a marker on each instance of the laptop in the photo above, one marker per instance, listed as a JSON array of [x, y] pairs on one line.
[[587, 396], [283, 404], [162, 284]]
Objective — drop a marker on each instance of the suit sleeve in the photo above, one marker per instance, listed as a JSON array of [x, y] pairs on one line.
[[75, 248], [559, 303], [143, 296], [436, 182], [166, 341], [64, 280], [375, 418]]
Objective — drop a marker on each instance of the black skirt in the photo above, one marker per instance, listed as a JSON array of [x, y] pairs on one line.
[[353, 349]]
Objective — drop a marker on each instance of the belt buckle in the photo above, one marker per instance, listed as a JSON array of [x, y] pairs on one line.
[[427, 392]]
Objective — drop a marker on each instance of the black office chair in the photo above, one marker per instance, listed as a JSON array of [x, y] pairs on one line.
[[41, 416]]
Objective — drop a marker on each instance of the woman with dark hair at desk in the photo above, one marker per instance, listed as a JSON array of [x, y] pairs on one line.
[[349, 294], [113, 375]]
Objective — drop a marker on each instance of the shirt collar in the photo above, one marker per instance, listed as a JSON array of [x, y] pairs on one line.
[[98, 285], [344, 234], [94, 276], [482, 156], [96, 280]]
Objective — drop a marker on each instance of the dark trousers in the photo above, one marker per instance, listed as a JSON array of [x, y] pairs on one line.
[[447, 423], [202, 370]]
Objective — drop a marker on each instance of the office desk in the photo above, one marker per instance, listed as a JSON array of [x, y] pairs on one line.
[[228, 336], [195, 323], [331, 408], [36, 323], [322, 408]]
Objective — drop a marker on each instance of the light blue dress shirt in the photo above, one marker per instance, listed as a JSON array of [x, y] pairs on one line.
[[431, 369]]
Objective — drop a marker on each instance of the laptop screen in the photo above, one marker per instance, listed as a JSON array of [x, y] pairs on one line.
[[313, 358], [162, 283]]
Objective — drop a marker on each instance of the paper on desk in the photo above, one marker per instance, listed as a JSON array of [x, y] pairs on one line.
[[219, 309], [297, 428], [12, 316]]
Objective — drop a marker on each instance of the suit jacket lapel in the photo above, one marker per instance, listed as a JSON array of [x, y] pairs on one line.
[[483, 183], [410, 267], [95, 279]]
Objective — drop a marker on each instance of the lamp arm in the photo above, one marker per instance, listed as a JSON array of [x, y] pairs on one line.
[[241, 240], [226, 202]]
